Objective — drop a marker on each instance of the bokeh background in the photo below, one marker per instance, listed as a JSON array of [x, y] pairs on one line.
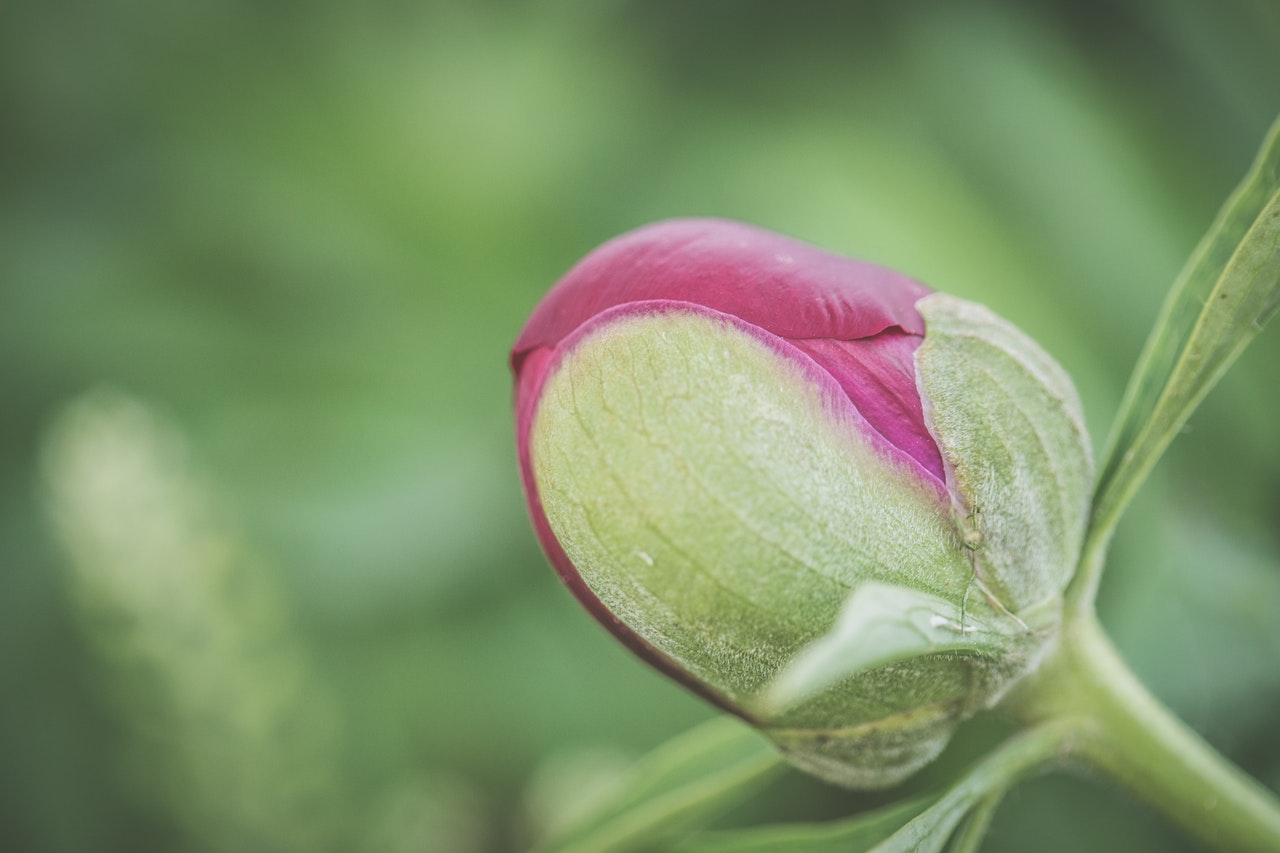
[[266, 581]]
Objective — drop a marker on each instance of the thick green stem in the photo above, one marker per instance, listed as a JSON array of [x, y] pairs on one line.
[[1129, 734]]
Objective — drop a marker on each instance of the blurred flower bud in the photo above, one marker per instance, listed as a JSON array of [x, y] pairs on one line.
[[813, 492]]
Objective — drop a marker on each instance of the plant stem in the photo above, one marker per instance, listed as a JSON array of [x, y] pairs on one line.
[[1130, 735], [1083, 589]]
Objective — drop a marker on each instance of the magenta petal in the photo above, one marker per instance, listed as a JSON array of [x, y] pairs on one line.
[[856, 319], [878, 375], [786, 287]]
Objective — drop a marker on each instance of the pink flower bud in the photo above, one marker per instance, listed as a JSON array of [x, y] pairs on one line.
[[722, 437]]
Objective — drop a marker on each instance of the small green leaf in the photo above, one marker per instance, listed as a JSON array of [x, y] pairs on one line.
[[968, 839], [916, 826], [1228, 290], [930, 831], [677, 787], [854, 834], [882, 624]]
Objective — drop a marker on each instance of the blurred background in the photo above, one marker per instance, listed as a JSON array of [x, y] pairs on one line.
[[266, 580]]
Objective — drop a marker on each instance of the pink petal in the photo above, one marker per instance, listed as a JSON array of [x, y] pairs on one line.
[[786, 287], [878, 375], [857, 320]]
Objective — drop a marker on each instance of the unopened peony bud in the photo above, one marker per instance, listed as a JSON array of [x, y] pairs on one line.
[[819, 496]]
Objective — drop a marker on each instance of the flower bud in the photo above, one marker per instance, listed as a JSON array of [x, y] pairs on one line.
[[818, 495]]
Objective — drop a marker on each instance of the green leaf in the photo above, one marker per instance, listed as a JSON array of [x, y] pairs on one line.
[[968, 839], [1016, 757], [917, 826], [677, 787], [882, 624], [846, 836], [1227, 292]]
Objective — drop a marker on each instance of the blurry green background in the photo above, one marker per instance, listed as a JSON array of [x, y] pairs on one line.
[[266, 581]]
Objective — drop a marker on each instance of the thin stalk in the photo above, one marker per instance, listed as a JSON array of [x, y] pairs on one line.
[[969, 837], [1024, 753], [1127, 733], [638, 827], [1083, 589]]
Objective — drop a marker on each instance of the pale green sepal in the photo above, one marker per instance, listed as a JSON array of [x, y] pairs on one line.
[[717, 499], [1011, 430], [882, 624], [878, 754]]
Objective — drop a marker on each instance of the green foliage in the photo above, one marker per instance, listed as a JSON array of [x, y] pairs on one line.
[[221, 708]]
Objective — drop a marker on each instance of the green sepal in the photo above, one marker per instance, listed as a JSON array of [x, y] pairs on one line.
[[882, 624], [721, 503], [887, 750], [1011, 430], [901, 638]]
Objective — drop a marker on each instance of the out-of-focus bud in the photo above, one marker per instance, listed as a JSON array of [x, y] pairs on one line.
[[820, 496]]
